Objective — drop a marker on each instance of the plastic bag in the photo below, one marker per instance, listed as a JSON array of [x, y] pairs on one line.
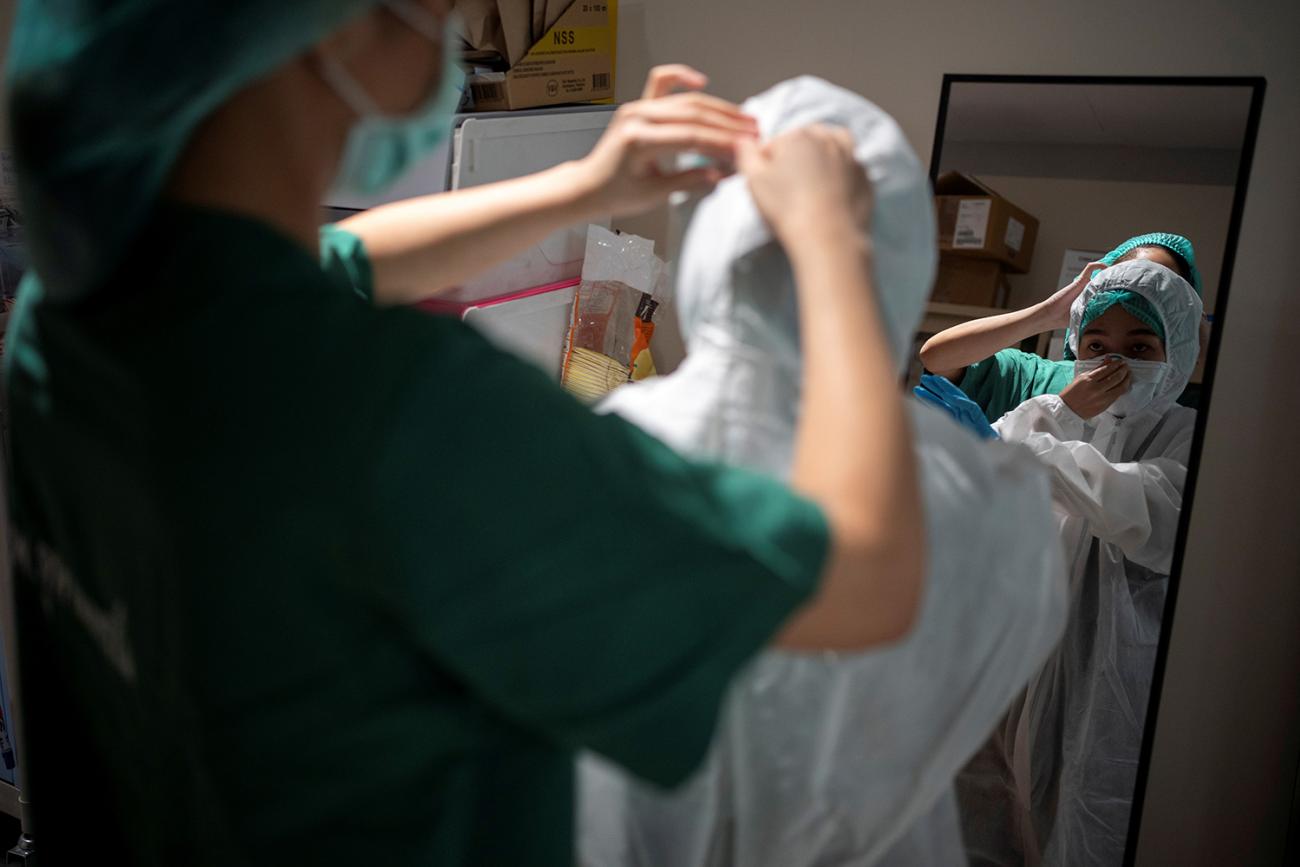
[[613, 314]]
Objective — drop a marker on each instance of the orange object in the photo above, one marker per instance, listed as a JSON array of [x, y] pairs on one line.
[[643, 364], [643, 334]]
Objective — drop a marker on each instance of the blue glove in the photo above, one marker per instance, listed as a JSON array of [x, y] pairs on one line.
[[942, 394]]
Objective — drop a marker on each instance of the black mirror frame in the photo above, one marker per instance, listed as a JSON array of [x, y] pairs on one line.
[[1256, 86]]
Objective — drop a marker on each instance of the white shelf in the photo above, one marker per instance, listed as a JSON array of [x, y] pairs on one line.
[[940, 316]]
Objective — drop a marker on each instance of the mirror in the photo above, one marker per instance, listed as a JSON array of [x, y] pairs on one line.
[[1035, 179]]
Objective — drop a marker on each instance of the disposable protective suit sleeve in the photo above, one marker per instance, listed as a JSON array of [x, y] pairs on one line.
[[1132, 504]]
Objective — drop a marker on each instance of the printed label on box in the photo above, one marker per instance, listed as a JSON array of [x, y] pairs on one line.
[[1015, 234], [573, 62], [972, 224]]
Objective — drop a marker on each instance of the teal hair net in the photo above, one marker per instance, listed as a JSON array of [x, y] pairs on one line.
[[1132, 302], [1174, 243], [104, 97]]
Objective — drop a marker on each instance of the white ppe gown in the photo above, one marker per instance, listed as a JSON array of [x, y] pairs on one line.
[[836, 759], [1117, 488]]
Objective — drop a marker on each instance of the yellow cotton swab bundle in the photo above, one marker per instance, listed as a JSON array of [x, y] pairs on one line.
[[591, 375]]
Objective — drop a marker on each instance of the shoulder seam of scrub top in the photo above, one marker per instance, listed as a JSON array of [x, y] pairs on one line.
[[344, 258]]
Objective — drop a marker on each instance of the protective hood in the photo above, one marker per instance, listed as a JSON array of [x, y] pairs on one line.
[[785, 785], [104, 98], [735, 278], [1173, 299]]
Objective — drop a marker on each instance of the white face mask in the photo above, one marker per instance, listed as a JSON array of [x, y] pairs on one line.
[[1145, 379]]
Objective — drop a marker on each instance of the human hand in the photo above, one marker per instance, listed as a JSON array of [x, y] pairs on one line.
[[1090, 394], [623, 174], [806, 182], [1057, 306]]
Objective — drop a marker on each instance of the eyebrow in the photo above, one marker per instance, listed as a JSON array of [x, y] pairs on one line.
[[1133, 333]]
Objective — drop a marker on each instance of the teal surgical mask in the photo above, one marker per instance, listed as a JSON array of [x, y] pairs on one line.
[[382, 148]]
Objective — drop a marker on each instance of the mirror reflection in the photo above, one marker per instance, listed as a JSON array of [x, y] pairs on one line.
[[1082, 231]]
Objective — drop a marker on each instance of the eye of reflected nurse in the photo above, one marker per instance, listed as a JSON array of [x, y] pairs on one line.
[[303, 575]]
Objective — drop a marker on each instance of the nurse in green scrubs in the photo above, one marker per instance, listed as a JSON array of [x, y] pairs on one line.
[[999, 379], [304, 576]]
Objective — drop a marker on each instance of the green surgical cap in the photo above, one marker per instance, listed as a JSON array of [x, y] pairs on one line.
[[104, 96], [1171, 242], [1131, 301]]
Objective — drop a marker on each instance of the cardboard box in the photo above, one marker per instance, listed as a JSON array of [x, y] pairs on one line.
[[573, 62], [976, 222], [969, 281]]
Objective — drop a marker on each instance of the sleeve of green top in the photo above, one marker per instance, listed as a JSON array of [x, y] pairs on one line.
[[578, 575], [343, 256], [1001, 383]]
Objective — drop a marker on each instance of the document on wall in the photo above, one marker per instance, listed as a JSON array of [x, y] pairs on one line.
[[1072, 263], [1075, 261]]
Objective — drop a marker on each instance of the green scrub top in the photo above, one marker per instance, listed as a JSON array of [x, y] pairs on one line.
[[1002, 382], [306, 581]]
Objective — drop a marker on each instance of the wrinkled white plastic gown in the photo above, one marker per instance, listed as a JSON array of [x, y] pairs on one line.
[[1118, 487], [826, 759]]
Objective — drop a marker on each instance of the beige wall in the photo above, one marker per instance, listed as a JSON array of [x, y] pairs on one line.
[[1228, 740], [1098, 215]]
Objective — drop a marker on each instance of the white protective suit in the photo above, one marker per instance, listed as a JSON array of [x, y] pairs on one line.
[[1117, 486], [827, 759]]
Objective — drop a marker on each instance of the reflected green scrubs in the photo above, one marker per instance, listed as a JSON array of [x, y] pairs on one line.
[[1002, 382], [304, 581]]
